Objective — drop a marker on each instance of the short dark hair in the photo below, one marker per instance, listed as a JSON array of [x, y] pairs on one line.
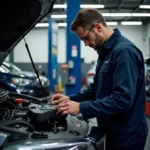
[[86, 17]]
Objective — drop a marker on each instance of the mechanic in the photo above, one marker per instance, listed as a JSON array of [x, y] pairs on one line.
[[117, 95]]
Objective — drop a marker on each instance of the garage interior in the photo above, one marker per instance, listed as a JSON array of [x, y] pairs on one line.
[[131, 17]]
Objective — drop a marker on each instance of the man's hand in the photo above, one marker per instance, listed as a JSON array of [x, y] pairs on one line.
[[58, 98], [68, 107]]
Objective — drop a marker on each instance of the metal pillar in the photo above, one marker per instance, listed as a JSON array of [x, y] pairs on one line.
[[52, 55], [73, 49]]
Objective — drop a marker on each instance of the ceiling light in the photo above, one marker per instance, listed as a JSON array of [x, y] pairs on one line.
[[141, 14], [91, 6], [108, 23], [126, 14], [60, 6], [112, 23], [58, 16], [145, 6], [116, 14], [109, 15], [131, 23], [62, 24], [81, 6], [42, 25]]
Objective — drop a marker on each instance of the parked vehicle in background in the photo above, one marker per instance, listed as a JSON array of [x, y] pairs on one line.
[[90, 74], [14, 79]]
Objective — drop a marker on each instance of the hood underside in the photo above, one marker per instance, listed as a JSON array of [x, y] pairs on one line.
[[18, 17]]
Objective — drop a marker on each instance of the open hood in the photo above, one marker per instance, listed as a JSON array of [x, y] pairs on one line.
[[18, 17]]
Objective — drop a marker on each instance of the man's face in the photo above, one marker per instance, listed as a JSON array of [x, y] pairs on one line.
[[92, 37]]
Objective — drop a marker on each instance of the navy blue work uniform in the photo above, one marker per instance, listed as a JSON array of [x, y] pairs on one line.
[[117, 95]]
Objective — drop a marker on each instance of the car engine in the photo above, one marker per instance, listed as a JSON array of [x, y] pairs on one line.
[[25, 120]]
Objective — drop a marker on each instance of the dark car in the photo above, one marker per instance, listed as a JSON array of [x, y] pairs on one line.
[[29, 123], [14, 79]]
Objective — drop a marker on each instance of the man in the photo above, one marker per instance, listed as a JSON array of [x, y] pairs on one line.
[[117, 95]]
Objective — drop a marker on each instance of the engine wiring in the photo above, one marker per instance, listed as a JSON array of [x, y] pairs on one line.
[[8, 111], [6, 114], [13, 112]]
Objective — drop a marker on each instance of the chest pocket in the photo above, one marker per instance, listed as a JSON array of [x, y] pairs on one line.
[[104, 84], [105, 68]]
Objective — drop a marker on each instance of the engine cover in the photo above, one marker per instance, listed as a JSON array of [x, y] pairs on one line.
[[43, 113]]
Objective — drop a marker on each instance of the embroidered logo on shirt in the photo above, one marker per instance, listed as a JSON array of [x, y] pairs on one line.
[[106, 62]]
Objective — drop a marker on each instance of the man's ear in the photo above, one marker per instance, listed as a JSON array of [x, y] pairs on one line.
[[98, 27]]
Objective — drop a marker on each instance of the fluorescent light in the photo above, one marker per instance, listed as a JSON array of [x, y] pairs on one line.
[[112, 23], [131, 23], [91, 6], [65, 24], [145, 6], [81, 6], [62, 24], [42, 25], [60, 6], [58, 16], [109, 15], [126, 14], [141, 14], [116, 14]]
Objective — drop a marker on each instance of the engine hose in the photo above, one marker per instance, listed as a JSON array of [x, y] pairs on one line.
[[20, 122], [30, 98], [3, 95], [11, 130]]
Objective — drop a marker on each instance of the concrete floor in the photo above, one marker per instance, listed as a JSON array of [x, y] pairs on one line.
[[147, 146]]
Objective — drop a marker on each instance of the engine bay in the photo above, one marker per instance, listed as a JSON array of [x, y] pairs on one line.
[[23, 117]]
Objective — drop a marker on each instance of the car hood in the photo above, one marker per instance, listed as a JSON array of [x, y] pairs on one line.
[[18, 17], [27, 74], [24, 74]]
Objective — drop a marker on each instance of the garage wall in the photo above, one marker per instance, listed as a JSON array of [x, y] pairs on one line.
[[137, 35], [148, 38], [37, 40], [38, 44]]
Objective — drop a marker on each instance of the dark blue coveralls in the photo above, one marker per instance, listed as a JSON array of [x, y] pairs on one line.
[[117, 95]]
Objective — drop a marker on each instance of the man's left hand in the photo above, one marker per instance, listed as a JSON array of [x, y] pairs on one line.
[[68, 107]]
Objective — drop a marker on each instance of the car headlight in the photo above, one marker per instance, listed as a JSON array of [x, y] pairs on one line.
[[20, 81]]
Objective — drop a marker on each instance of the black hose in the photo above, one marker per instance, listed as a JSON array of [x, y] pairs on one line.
[[30, 98], [3, 95], [20, 122], [12, 130]]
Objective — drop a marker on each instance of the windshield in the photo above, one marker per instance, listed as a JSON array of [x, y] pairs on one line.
[[11, 67], [3, 69]]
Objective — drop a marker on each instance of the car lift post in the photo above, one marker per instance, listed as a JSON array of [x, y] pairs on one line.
[[73, 50]]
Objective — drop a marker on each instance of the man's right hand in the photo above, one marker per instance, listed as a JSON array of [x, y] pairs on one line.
[[58, 98]]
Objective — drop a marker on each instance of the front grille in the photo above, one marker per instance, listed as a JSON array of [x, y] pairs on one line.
[[39, 92]]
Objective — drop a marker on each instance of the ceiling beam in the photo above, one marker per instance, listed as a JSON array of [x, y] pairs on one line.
[[144, 1], [136, 9], [120, 5], [98, 1]]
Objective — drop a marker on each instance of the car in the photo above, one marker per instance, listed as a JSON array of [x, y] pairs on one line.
[[14, 79], [30, 123], [90, 74]]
